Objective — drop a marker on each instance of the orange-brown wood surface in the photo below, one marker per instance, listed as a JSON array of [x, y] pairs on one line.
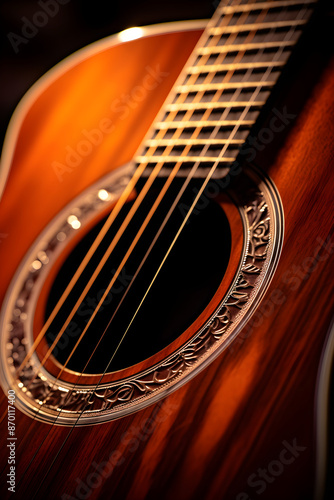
[[209, 437]]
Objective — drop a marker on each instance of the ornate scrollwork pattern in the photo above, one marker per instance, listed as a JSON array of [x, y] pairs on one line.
[[66, 402]]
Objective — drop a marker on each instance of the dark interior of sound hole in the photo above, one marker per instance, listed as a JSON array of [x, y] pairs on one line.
[[183, 288]]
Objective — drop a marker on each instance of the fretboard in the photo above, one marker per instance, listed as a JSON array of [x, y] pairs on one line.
[[222, 89]]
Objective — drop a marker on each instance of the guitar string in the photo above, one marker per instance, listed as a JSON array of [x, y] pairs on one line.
[[200, 192], [67, 291], [162, 263], [76, 276], [119, 205], [74, 280], [195, 200], [165, 220], [106, 256], [194, 203], [104, 230], [87, 362], [173, 175], [94, 276], [137, 175], [184, 186], [105, 371]]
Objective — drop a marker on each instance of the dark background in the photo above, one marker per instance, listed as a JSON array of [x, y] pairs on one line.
[[77, 23]]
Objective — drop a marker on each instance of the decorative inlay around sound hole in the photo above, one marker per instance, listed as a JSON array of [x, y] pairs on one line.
[[184, 286], [41, 395]]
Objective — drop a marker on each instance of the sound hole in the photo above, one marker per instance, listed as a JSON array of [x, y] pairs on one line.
[[182, 289]]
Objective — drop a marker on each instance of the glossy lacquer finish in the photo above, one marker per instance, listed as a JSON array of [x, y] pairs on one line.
[[244, 427]]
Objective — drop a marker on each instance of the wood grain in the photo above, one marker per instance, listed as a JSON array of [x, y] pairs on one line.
[[208, 438]]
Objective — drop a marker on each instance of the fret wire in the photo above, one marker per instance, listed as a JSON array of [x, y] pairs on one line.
[[228, 76], [222, 86], [183, 125], [195, 175], [262, 5], [227, 19], [200, 95], [209, 176], [194, 70], [203, 186], [221, 56], [191, 124], [222, 30], [202, 123], [243, 46], [200, 192], [236, 126], [289, 13], [182, 159], [210, 105], [252, 98], [192, 142], [197, 197], [179, 131]]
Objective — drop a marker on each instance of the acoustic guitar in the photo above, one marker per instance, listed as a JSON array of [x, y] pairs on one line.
[[167, 273]]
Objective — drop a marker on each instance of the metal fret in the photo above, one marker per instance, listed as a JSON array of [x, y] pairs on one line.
[[263, 5], [195, 70], [191, 142], [184, 106], [222, 49], [206, 123], [200, 173], [208, 87], [221, 30], [206, 142], [176, 159]]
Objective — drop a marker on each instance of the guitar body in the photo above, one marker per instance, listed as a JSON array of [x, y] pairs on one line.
[[210, 438]]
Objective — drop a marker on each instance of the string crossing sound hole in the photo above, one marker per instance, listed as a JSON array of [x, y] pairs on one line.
[[185, 285]]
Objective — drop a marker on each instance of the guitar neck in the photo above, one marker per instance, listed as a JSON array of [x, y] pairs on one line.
[[228, 79]]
